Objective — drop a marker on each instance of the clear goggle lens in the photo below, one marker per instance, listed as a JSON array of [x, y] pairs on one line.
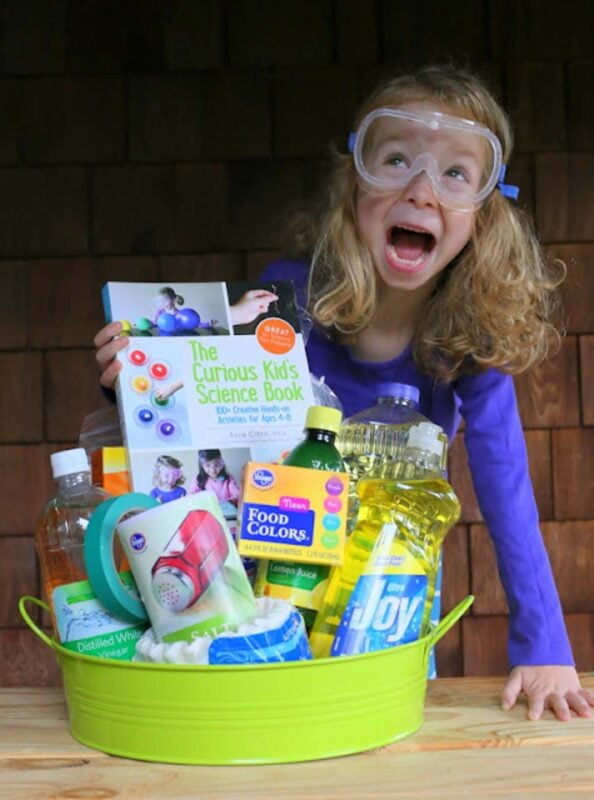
[[461, 158]]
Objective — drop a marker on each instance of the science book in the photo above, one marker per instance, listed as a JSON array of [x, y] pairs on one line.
[[214, 375]]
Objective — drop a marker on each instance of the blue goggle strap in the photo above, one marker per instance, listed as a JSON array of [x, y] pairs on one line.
[[507, 189]]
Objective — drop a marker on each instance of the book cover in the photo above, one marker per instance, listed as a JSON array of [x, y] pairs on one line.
[[215, 375]]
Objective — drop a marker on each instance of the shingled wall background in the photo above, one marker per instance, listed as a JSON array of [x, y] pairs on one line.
[[166, 140]]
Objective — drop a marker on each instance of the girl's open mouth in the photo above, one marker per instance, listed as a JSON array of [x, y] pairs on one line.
[[407, 248]]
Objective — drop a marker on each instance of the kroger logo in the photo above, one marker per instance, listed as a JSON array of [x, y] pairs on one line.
[[137, 541], [263, 478]]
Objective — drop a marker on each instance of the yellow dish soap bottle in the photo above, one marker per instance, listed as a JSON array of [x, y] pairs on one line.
[[383, 593]]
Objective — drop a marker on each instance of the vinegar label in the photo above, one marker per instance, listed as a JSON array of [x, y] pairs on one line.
[[386, 606], [85, 626]]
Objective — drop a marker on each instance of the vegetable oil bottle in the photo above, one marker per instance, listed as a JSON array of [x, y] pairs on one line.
[[383, 593], [304, 584], [376, 434]]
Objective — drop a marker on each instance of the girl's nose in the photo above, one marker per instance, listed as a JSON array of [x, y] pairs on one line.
[[420, 190]]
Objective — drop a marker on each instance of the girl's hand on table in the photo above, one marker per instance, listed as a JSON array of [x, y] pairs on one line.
[[109, 342], [555, 687]]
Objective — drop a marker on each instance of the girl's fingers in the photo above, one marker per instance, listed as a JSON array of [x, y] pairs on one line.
[[107, 353], [559, 706], [109, 375], [107, 333], [587, 695], [109, 342], [511, 690], [579, 704], [535, 706]]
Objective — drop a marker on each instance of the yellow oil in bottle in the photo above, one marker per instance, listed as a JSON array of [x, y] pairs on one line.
[[376, 435]]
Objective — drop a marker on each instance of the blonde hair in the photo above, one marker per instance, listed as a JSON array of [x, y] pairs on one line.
[[493, 306], [172, 463]]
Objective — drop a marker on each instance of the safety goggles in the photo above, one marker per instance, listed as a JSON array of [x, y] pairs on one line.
[[214, 463], [461, 158]]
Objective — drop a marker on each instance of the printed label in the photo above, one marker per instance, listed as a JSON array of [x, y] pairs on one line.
[[286, 643], [187, 568], [293, 514], [303, 585], [275, 335], [269, 523], [263, 478], [85, 626], [303, 576], [387, 604]]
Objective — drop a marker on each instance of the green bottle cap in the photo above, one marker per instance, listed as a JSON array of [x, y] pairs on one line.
[[323, 418]]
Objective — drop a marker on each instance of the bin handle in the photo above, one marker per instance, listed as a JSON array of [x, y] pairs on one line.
[[33, 625], [450, 620]]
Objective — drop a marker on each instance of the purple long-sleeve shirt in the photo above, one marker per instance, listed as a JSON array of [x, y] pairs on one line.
[[498, 462]]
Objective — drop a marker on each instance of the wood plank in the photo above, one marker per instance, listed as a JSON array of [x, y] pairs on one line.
[[461, 480], [465, 714], [487, 773], [467, 745], [578, 287], [14, 583], [587, 372], [564, 189], [573, 473], [537, 103], [485, 645], [570, 546], [35, 725], [26, 661], [486, 585], [580, 628], [548, 395], [460, 713]]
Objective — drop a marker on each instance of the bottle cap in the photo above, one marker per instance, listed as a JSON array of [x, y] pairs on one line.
[[68, 462], [427, 436], [402, 390], [323, 418]]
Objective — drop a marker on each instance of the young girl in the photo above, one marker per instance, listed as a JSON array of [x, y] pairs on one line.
[[168, 301], [418, 269], [213, 477], [167, 479]]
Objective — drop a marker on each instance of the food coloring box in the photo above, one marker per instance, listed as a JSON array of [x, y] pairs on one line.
[[293, 514]]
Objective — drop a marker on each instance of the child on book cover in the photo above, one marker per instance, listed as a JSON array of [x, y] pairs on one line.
[[213, 477], [168, 478]]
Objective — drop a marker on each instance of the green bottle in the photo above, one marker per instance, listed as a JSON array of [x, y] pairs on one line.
[[317, 450], [304, 585]]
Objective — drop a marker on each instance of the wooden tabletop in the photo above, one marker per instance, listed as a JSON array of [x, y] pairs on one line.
[[468, 747]]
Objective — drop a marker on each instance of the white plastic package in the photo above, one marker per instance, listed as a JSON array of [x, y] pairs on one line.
[[276, 634]]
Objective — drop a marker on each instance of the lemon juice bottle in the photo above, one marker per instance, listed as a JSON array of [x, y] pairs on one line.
[[383, 593], [376, 434]]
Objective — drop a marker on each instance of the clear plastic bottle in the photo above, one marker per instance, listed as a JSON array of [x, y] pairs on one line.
[[80, 622], [383, 593], [376, 434], [304, 584]]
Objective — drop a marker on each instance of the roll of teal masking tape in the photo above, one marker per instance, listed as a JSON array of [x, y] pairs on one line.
[[98, 553]]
